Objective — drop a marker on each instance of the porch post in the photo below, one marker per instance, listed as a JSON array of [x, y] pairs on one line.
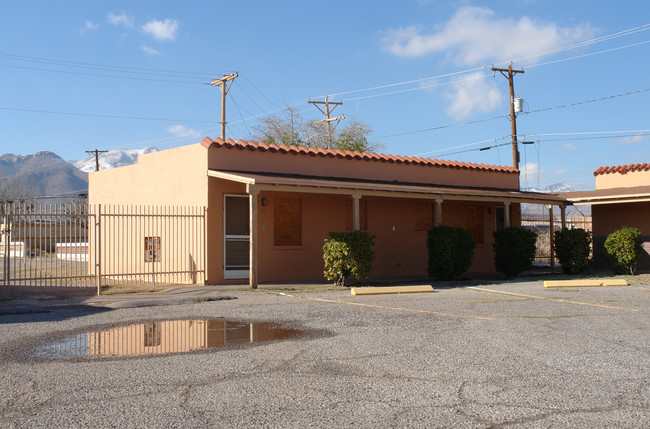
[[563, 214], [356, 224], [506, 215], [551, 233], [252, 250], [438, 212]]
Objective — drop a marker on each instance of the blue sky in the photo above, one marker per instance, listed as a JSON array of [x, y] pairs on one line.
[[80, 75]]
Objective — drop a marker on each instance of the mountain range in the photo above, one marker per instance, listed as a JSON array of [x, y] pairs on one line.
[[47, 174]]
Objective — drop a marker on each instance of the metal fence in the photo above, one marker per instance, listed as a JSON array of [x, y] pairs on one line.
[[541, 225], [83, 249]]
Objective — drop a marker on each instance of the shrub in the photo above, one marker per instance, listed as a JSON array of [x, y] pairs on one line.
[[348, 254], [514, 250], [451, 250], [623, 250], [572, 248]]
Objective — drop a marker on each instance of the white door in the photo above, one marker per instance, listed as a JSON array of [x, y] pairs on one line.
[[236, 237]]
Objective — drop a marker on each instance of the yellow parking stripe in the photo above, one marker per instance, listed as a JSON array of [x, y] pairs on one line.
[[383, 307], [521, 295]]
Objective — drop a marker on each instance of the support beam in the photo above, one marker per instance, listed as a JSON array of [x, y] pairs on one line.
[[356, 223], [506, 215], [563, 215], [252, 210], [551, 236], [438, 212]]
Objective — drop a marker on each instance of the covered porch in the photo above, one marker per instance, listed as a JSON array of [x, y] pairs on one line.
[[380, 207]]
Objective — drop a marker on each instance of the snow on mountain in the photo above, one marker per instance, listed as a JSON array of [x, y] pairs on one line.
[[112, 158], [555, 188]]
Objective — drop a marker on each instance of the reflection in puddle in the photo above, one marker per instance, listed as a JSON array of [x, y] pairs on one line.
[[165, 337]]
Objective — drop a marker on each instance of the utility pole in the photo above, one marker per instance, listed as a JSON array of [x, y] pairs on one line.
[[327, 119], [224, 90], [513, 119], [96, 153]]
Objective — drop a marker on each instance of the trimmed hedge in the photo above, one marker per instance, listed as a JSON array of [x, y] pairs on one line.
[[514, 250], [348, 254], [623, 250], [451, 250], [573, 248]]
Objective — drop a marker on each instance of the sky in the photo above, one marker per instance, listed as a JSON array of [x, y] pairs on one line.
[[85, 75]]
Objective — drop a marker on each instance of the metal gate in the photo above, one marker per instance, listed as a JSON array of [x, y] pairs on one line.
[[81, 248]]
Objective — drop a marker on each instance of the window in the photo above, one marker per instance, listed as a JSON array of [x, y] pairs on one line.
[[363, 215], [287, 222], [474, 223], [424, 216]]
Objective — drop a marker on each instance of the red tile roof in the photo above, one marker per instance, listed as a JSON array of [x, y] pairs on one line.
[[348, 154], [622, 169]]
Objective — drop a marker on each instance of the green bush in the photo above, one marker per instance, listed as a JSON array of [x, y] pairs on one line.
[[623, 250], [514, 250], [572, 248], [348, 254], [451, 250]]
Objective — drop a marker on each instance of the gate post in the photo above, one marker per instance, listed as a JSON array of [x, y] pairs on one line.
[[98, 248]]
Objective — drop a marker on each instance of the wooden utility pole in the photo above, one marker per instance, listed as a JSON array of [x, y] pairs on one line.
[[513, 118], [96, 153], [224, 90], [327, 119]]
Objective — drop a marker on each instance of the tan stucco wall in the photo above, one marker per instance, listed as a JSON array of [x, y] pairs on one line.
[[626, 180], [400, 250], [607, 218], [248, 160], [171, 177]]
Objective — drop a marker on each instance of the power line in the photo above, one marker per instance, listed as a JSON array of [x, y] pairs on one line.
[[93, 115], [99, 75], [98, 66], [588, 101], [538, 54]]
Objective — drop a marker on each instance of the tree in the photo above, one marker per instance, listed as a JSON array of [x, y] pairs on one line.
[[290, 128]]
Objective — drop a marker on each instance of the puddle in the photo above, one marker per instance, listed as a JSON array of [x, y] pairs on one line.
[[163, 337]]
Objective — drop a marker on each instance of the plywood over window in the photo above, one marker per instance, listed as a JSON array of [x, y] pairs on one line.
[[287, 221], [475, 224], [424, 216], [363, 215]]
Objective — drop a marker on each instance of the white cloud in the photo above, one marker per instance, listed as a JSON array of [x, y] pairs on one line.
[[473, 94], [567, 147], [476, 35], [149, 50], [529, 172], [121, 20], [161, 30], [180, 131], [90, 25], [630, 140]]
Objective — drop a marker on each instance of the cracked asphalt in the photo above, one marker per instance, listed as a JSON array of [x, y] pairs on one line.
[[499, 355]]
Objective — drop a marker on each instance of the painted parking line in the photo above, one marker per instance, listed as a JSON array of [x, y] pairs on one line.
[[384, 307], [521, 295]]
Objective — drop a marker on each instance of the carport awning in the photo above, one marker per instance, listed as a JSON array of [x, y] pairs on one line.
[[635, 194], [343, 185]]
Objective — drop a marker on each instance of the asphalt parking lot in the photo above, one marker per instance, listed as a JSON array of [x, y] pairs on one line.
[[497, 355]]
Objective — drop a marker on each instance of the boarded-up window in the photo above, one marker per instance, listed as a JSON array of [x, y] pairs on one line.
[[424, 220], [287, 222], [474, 223], [363, 215]]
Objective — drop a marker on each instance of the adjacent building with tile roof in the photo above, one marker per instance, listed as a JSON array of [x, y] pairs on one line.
[[621, 198]]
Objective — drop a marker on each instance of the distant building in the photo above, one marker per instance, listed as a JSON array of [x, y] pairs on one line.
[[269, 207]]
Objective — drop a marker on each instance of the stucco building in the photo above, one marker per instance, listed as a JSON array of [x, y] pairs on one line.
[[270, 207], [621, 198]]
